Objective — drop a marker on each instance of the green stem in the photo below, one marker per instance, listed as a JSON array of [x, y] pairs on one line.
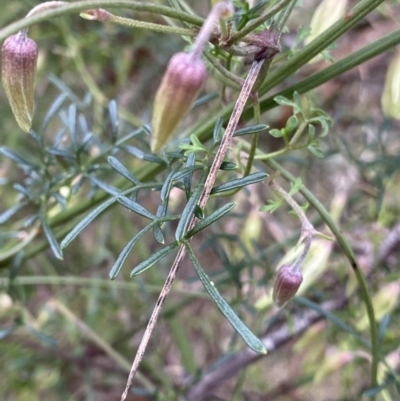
[[364, 292], [78, 6], [131, 23]]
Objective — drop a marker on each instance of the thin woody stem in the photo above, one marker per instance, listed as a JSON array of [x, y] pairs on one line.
[[226, 140]]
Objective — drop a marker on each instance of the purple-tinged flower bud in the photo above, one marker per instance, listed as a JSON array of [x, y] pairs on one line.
[[18, 68], [182, 81], [286, 284]]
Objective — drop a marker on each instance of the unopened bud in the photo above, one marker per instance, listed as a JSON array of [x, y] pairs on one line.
[[18, 66], [286, 285], [391, 91], [182, 81]]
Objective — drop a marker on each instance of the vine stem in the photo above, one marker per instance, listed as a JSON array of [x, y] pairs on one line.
[[219, 157]]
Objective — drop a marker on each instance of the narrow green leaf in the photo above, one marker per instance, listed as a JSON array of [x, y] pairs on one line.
[[196, 142], [125, 252], [291, 123], [187, 180], [188, 212], [85, 222], [186, 171], [114, 191], [18, 187], [240, 182], [276, 133], [162, 209], [139, 154], [228, 166], [315, 149], [121, 169], [283, 101], [297, 107], [166, 188], [51, 239], [114, 120], [325, 126], [135, 207], [158, 234], [222, 211], [199, 213], [250, 339], [250, 130], [53, 109], [10, 154], [311, 132], [10, 212], [71, 124], [217, 130], [153, 259], [66, 90], [65, 154]]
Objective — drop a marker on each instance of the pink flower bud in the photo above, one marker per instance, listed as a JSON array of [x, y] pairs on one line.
[[182, 81], [18, 68], [286, 285]]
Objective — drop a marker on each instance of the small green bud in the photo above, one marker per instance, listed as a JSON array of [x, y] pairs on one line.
[[286, 284], [182, 81], [18, 68], [391, 91]]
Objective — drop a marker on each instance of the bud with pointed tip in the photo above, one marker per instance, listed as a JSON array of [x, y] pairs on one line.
[[286, 284], [18, 68], [182, 81]]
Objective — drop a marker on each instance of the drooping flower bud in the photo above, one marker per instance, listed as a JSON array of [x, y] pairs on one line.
[[391, 91], [182, 81], [286, 284], [18, 68]]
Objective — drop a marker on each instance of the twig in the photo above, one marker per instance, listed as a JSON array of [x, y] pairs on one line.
[[226, 140]]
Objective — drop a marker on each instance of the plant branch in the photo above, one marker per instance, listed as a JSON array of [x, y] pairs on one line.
[[215, 167]]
